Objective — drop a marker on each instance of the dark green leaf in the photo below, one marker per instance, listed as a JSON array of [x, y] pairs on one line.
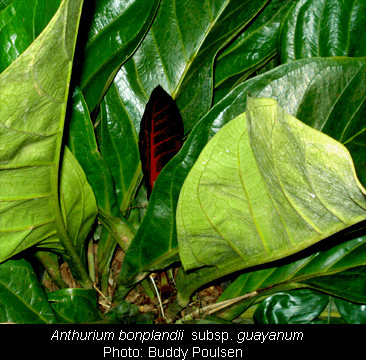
[[178, 54], [5, 3], [21, 21], [294, 307], [22, 299], [250, 50], [349, 284], [324, 28], [119, 147], [352, 313], [127, 313], [82, 143], [115, 31], [75, 306]]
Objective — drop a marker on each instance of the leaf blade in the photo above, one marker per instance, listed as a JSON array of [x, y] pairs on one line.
[[218, 229], [161, 135], [115, 32], [335, 29], [33, 110]]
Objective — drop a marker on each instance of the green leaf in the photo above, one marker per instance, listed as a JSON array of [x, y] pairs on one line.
[[178, 54], [50, 262], [33, 104], [352, 313], [260, 195], [78, 205], [5, 3], [78, 210], [127, 313], [294, 307], [21, 21], [119, 147], [349, 284], [324, 28], [74, 306], [250, 50], [115, 31], [82, 143], [22, 299]]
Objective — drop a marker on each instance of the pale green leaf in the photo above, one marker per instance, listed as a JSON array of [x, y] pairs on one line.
[[262, 191], [34, 91]]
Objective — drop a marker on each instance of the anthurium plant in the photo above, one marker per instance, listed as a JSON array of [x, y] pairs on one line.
[[173, 144]]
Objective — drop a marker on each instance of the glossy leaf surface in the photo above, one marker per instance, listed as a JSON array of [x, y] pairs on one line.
[[294, 307], [349, 284], [22, 299], [352, 313], [119, 147], [33, 99], [178, 54], [324, 28], [115, 30], [262, 189], [161, 135], [255, 45], [21, 21], [74, 306], [83, 144]]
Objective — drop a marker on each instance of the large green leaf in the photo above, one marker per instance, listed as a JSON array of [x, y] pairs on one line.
[[178, 54], [324, 28], [263, 190], [250, 50], [33, 98], [21, 21], [115, 30], [22, 299]]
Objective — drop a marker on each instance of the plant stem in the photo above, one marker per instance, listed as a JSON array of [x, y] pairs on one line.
[[106, 247], [91, 260], [50, 262]]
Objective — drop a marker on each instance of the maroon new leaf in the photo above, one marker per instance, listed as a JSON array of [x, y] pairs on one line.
[[161, 135]]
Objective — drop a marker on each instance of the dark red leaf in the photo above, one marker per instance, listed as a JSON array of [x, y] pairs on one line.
[[161, 135]]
